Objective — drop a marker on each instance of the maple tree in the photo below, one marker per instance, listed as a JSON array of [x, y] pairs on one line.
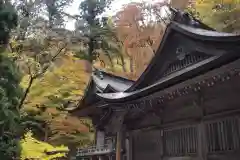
[[42, 50], [59, 88], [139, 32]]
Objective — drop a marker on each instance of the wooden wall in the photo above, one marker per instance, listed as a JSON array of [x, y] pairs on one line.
[[186, 133], [207, 140], [146, 145]]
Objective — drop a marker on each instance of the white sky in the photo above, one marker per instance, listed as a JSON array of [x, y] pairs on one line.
[[116, 6]]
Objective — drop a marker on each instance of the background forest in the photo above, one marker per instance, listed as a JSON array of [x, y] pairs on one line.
[[46, 67]]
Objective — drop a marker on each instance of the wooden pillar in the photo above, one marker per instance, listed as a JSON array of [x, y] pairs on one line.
[[161, 145], [202, 137], [129, 147], [119, 145], [202, 143], [117, 127], [100, 137]]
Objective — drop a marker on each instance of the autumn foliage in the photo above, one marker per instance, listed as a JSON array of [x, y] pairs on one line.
[[45, 67], [34, 149], [139, 33]]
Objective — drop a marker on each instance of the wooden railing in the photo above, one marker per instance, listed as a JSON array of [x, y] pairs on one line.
[[95, 150]]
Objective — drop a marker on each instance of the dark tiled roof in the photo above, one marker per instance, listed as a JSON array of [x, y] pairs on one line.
[[186, 50]]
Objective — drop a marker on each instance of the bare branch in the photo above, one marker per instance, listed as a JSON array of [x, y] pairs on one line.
[[32, 78], [51, 60]]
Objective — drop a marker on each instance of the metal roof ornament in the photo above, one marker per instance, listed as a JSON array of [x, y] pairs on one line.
[[98, 73], [181, 54]]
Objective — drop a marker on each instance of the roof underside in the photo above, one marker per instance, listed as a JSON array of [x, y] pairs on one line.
[[185, 52]]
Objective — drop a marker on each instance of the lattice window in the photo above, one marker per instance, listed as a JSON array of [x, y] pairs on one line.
[[186, 61], [179, 142], [223, 135]]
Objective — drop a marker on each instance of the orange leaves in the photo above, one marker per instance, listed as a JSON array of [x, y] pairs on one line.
[[139, 32]]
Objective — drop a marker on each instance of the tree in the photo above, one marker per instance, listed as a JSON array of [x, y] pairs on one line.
[[59, 88], [32, 19], [55, 11], [10, 90], [111, 47], [221, 15], [92, 27], [36, 42], [42, 52], [139, 32], [8, 18]]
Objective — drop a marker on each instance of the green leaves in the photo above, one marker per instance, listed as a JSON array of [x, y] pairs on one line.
[[92, 27], [9, 87], [8, 20], [10, 93], [221, 15]]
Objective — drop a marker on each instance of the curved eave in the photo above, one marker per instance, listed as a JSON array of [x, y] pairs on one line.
[[173, 79], [190, 33], [109, 83], [205, 35], [89, 97], [86, 111], [116, 83]]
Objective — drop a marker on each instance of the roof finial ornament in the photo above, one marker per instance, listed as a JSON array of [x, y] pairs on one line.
[[98, 72], [186, 18]]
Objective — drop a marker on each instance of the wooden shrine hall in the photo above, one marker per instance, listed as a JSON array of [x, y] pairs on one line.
[[184, 106]]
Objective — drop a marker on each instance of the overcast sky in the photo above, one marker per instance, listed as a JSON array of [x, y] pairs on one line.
[[116, 6]]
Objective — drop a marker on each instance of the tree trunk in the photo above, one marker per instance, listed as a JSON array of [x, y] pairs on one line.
[[90, 50], [123, 63], [26, 92], [111, 61], [131, 64], [32, 78], [46, 134]]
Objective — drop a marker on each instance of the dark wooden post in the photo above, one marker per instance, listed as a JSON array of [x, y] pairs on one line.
[[116, 127], [129, 146], [99, 157], [202, 146], [119, 145], [202, 141], [161, 144]]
